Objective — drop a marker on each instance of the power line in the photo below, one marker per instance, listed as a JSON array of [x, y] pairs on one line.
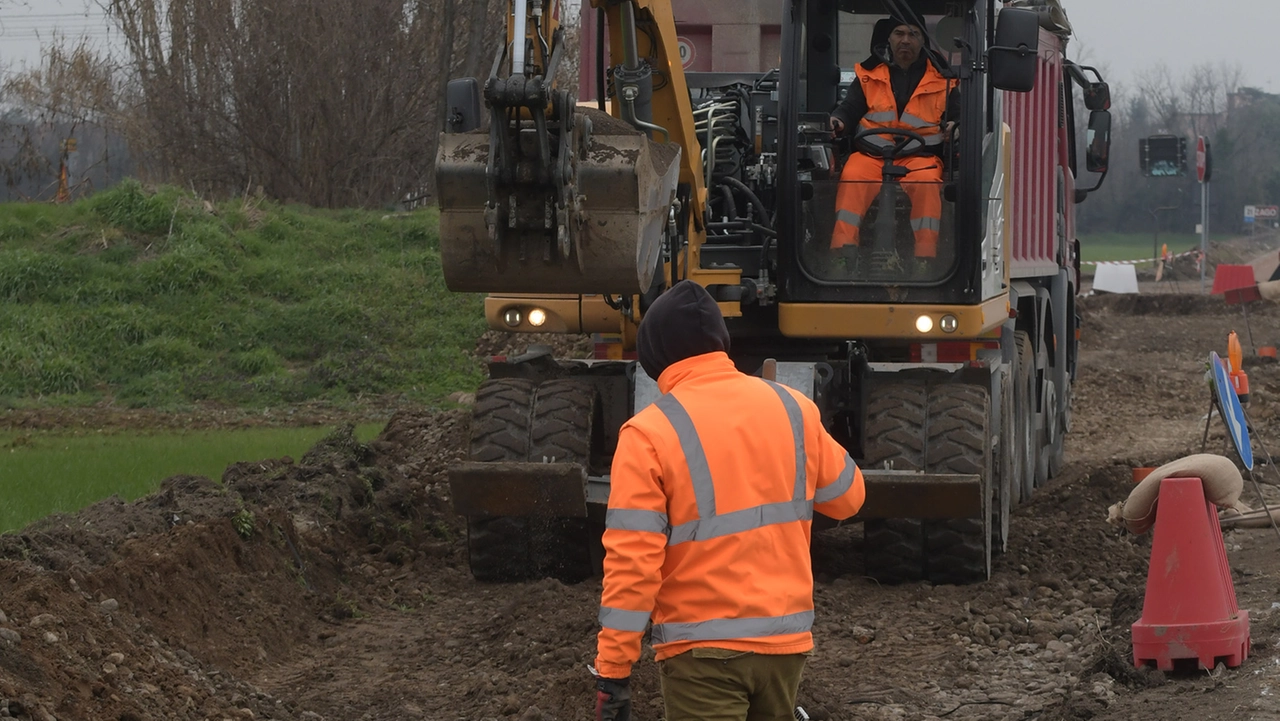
[[54, 16], [55, 22], [10, 28], [94, 32], [83, 26]]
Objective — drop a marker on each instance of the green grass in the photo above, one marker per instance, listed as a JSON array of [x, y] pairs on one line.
[[46, 474], [154, 298], [1134, 246]]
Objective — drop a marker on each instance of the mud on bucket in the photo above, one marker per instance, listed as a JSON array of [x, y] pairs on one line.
[[623, 187]]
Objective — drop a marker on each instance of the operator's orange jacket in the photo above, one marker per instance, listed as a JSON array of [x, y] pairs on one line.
[[923, 114], [713, 490]]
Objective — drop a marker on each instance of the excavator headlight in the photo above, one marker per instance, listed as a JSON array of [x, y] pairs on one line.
[[512, 317], [537, 317], [924, 324], [949, 324]]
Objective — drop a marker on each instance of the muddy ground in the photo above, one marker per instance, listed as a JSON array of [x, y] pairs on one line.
[[334, 586]]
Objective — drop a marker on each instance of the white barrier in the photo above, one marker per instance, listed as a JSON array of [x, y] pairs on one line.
[[1115, 278]]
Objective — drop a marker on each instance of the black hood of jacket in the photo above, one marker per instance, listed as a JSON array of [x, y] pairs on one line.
[[682, 323]]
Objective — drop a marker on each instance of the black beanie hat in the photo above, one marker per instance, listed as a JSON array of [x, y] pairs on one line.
[[899, 19], [682, 323]]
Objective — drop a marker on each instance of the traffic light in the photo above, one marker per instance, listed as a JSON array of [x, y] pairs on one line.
[[1163, 156]]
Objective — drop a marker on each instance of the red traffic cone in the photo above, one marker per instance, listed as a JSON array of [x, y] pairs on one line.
[[1190, 609]]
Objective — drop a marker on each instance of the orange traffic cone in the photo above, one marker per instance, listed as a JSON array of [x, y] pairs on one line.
[[1239, 379], [1190, 609]]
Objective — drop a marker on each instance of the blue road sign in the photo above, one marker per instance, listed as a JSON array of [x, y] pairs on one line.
[[1232, 412]]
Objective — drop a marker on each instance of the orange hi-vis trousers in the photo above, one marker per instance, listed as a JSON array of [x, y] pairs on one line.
[[860, 184]]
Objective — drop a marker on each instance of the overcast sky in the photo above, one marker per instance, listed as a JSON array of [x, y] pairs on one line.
[[26, 24], [1119, 36], [1129, 35]]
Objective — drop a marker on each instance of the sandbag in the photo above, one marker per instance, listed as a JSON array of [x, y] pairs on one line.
[[1269, 290], [1222, 486]]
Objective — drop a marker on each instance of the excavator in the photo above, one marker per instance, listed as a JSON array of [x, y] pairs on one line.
[[948, 378]]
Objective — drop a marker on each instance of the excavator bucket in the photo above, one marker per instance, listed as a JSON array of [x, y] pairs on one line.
[[594, 223]]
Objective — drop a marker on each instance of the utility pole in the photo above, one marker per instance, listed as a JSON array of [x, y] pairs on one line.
[[1204, 171], [1204, 234]]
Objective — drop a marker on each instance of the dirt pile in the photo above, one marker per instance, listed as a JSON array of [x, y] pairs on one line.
[[162, 608]]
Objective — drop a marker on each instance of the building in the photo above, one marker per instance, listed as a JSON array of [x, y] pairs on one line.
[[728, 36]]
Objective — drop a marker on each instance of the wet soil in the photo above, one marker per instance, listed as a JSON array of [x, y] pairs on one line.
[[334, 586]]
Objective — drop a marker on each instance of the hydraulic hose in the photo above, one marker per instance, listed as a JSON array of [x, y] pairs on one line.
[[634, 80], [751, 196], [600, 69]]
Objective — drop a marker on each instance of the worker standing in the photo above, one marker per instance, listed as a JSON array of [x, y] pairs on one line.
[[712, 494], [905, 92]]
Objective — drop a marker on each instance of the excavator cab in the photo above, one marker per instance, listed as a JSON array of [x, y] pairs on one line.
[[883, 202], [884, 219]]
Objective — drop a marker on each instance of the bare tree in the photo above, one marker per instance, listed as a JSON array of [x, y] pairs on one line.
[[327, 102], [1206, 100], [1160, 95], [68, 107], [1205, 90]]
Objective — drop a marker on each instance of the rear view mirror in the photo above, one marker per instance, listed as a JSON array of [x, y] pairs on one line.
[[1012, 60], [1098, 142], [1097, 96]]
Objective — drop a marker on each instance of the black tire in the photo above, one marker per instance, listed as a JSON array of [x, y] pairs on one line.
[[565, 428], [1006, 471], [893, 548], [958, 550], [498, 549], [1027, 432], [932, 428], [1058, 449]]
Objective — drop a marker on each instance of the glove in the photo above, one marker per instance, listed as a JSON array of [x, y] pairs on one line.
[[613, 699]]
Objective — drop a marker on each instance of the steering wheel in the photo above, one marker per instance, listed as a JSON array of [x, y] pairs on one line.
[[904, 138]]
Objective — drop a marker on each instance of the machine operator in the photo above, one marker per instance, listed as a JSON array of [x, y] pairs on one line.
[[903, 91]]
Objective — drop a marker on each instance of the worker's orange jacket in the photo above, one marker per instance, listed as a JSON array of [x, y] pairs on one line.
[[923, 113], [711, 500]]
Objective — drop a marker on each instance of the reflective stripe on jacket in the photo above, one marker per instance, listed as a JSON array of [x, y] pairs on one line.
[[923, 113], [713, 490]]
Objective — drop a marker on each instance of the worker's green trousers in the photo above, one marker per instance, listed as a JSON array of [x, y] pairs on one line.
[[712, 684]]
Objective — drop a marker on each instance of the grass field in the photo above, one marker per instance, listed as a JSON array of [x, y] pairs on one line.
[[1134, 246], [46, 474], [156, 298]]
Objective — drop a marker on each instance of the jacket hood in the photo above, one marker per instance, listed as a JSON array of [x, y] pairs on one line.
[[682, 323]]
